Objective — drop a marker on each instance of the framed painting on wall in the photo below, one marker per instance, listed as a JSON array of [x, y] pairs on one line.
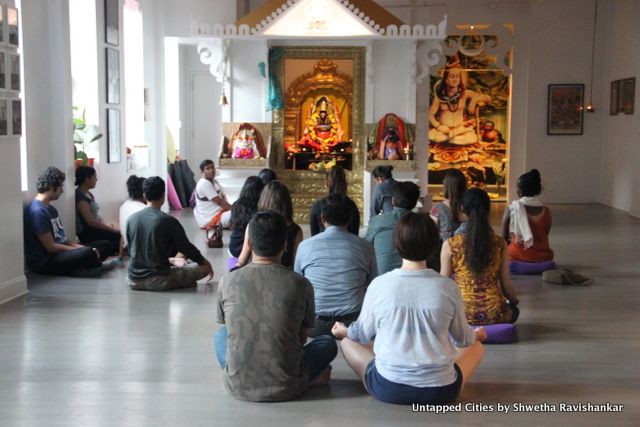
[[114, 146], [113, 76], [111, 22], [565, 109], [627, 95], [613, 97]]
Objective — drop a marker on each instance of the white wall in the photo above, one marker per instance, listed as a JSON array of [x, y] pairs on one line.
[[248, 87], [196, 149], [178, 14], [393, 89], [153, 46], [621, 134], [570, 165]]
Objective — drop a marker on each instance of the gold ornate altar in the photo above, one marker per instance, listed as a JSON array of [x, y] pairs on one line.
[[289, 122]]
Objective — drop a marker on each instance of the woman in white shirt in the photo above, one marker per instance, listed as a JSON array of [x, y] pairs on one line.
[[135, 203], [212, 206], [417, 319]]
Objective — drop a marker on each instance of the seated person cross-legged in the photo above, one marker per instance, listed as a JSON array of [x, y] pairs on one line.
[[212, 207], [336, 181], [242, 211], [266, 311], [89, 225], [477, 260], [276, 197], [339, 265], [526, 225], [135, 203], [47, 249], [415, 318], [447, 213], [154, 237], [381, 227]]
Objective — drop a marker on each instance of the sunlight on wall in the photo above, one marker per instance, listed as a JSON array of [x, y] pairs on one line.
[[172, 88], [137, 146], [24, 180], [84, 64]]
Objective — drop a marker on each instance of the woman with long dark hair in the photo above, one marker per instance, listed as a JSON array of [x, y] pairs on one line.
[[336, 181], [447, 214], [276, 197], [479, 262], [242, 211]]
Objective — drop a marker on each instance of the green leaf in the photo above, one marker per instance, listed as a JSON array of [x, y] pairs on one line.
[[81, 155], [78, 137], [79, 123], [92, 133]]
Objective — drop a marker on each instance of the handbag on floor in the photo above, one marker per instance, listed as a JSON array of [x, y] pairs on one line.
[[214, 236]]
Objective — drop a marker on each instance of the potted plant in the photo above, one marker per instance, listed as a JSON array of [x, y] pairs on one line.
[[83, 135]]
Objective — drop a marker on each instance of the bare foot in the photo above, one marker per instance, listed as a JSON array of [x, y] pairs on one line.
[[177, 261], [322, 378]]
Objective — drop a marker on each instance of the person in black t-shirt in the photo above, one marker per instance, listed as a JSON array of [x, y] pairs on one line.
[[153, 238], [47, 249]]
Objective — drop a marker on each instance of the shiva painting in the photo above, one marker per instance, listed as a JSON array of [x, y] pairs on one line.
[[469, 119]]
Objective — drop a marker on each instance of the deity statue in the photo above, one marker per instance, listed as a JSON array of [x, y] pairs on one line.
[[446, 114], [392, 138], [323, 130], [246, 143]]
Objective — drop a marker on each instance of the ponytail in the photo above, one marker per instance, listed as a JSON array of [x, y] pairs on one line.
[[478, 242]]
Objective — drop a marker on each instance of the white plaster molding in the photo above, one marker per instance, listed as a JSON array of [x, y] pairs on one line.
[[428, 54], [417, 31], [369, 62], [13, 288], [214, 54], [499, 50], [413, 62]]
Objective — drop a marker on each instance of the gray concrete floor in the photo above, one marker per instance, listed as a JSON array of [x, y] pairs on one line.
[[91, 352]]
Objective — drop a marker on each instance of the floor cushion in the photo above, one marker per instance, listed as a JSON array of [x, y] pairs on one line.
[[501, 333], [521, 267]]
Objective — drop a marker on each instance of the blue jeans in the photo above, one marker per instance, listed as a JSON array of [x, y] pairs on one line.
[[316, 356]]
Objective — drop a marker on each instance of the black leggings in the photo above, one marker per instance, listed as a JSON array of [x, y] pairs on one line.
[[90, 234], [65, 263]]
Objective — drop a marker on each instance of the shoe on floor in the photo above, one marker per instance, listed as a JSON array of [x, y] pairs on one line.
[[110, 264], [87, 272]]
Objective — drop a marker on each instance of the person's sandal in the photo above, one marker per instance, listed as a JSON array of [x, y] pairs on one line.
[[564, 276], [576, 279]]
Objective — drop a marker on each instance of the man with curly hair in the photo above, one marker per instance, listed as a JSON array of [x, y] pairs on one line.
[[47, 249]]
